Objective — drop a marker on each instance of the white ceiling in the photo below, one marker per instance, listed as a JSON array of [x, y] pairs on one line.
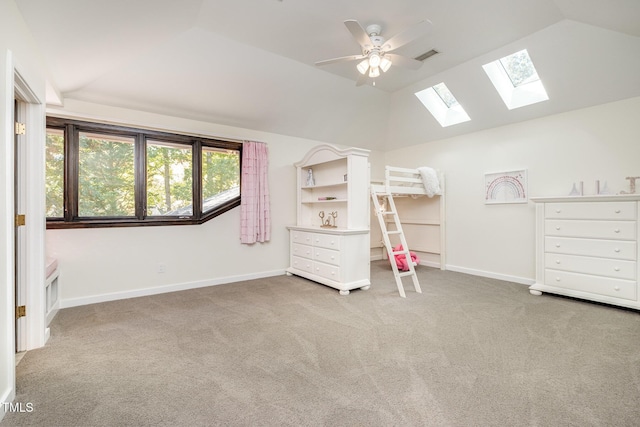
[[250, 63]]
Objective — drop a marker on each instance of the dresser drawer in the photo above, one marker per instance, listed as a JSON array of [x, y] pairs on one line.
[[301, 237], [591, 210], [329, 241], [327, 256], [331, 272], [618, 288], [620, 269], [303, 264], [618, 249], [303, 251], [624, 230]]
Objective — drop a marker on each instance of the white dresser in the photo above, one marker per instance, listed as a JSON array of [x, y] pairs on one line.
[[339, 258], [330, 242], [587, 247]]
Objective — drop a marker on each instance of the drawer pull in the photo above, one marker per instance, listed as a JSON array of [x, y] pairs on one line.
[[557, 245], [557, 279], [557, 227], [617, 230], [616, 288], [557, 261], [558, 210], [616, 268], [617, 210], [617, 250]]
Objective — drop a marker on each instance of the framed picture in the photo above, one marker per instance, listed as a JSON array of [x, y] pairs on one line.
[[506, 187]]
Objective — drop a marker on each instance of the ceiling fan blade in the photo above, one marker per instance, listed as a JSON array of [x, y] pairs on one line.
[[340, 59], [358, 32], [403, 61], [410, 34]]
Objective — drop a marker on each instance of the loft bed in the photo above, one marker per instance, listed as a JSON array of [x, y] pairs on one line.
[[419, 198], [422, 181]]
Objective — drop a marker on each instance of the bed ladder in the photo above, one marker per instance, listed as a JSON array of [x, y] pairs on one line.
[[382, 215]]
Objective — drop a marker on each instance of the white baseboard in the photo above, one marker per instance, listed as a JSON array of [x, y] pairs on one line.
[[427, 263], [93, 299], [491, 275], [430, 264]]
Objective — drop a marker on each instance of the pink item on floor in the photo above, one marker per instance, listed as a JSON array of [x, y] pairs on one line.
[[401, 259]]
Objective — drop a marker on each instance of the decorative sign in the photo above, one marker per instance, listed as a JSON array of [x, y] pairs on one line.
[[506, 187], [327, 223]]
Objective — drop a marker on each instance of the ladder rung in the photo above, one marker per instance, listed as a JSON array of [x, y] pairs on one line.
[[400, 253], [388, 213], [405, 273], [393, 232]]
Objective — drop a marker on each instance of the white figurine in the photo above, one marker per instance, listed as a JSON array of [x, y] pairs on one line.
[[310, 181]]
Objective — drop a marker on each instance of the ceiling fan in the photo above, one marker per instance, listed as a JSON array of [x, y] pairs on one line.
[[377, 53]]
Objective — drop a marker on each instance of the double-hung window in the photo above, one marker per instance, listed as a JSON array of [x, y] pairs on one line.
[[100, 175]]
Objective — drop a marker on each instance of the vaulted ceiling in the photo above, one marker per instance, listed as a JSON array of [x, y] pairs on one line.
[[250, 63]]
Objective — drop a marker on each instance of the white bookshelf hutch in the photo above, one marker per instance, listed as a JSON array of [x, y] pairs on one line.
[[330, 242]]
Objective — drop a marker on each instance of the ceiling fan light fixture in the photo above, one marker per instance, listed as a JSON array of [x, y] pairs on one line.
[[378, 53], [385, 64], [363, 66], [374, 60]]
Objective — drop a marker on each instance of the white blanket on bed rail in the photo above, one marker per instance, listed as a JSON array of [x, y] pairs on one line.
[[430, 180]]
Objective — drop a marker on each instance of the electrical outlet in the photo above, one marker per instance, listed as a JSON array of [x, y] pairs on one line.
[[161, 268]]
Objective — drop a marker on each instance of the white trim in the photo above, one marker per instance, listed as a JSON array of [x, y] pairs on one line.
[[74, 302], [22, 88], [491, 275], [7, 316], [33, 167], [422, 262]]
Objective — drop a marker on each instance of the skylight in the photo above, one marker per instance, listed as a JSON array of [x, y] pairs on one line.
[[519, 68], [441, 103], [516, 80], [445, 94]]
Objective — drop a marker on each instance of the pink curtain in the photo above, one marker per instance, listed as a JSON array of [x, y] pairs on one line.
[[255, 210]]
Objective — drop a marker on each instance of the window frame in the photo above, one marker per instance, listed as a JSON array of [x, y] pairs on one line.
[[72, 128]]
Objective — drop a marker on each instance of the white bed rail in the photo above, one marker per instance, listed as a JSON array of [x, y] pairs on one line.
[[401, 181]]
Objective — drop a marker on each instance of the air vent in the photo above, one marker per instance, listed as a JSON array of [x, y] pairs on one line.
[[426, 55]]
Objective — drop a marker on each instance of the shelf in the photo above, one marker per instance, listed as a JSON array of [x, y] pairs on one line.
[[335, 184], [324, 201]]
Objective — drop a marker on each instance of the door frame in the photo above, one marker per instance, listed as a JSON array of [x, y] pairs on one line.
[[19, 241], [31, 259]]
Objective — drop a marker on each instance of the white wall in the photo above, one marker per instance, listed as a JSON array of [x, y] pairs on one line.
[[17, 52], [108, 263], [597, 143]]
